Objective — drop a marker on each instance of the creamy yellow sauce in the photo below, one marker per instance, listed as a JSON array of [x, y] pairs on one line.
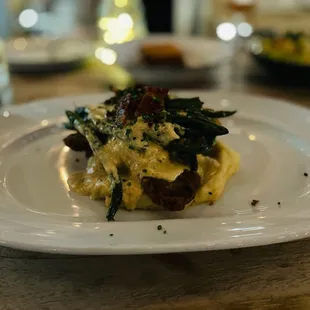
[[94, 182], [124, 158], [215, 173]]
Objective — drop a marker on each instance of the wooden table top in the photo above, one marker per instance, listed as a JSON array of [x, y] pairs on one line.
[[268, 277]]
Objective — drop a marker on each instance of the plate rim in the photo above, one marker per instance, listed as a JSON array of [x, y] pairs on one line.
[[47, 64]]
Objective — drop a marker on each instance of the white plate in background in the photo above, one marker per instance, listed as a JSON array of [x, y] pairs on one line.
[[37, 212], [200, 54], [39, 54]]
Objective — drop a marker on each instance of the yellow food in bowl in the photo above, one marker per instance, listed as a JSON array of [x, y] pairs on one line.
[[288, 49]]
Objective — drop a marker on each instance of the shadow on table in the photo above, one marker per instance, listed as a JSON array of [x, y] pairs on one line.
[[221, 278], [256, 75]]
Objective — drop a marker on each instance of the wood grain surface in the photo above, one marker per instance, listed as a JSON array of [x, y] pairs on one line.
[[269, 277]]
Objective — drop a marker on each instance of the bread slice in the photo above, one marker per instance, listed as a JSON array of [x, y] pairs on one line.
[[161, 54]]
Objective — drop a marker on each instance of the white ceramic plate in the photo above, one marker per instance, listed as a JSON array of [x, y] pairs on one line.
[[37, 211], [39, 54], [200, 54]]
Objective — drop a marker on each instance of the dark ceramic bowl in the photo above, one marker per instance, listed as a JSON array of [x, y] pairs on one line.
[[279, 69]]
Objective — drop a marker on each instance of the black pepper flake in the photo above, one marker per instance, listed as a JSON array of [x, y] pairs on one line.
[[129, 183], [210, 193], [77, 160], [158, 135], [254, 202], [134, 138], [144, 170], [305, 174], [111, 235], [124, 180], [159, 227], [165, 232], [211, 203]]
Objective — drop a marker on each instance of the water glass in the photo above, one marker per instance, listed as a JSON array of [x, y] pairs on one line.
[[5, 86]]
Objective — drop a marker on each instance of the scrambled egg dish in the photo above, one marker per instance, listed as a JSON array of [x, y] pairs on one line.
[[148, 150]]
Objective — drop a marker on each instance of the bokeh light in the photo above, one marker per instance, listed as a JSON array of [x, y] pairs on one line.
[[20, 44], [226, 31], [106, 55], [28, 18], [103, 23], [125, 20], [108, 38], [121, 3], [116, 29], [244, 30], [6, 114]]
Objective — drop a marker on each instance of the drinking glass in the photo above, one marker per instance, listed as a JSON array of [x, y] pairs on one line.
[[5, 86]]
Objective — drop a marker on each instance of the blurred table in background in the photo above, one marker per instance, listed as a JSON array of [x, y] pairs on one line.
[[242, 75]]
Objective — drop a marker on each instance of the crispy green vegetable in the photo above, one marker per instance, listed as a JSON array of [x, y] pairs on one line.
[[198, 123], [184, 104], [116, 199], [217, 114], [87, 129]]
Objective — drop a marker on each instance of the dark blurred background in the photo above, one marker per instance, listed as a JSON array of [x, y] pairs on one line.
[[179, 16], [158, 15]]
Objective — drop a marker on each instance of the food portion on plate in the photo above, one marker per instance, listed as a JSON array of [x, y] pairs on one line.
[[291, 47], [149, 150], [161, 54]]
